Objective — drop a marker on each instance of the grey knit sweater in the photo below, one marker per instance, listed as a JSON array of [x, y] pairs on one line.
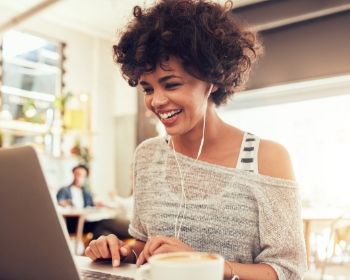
[[245, 217]]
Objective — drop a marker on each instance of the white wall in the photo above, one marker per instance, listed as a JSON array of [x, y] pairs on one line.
[[90, 70], [125, 121], [103, 99], [126, 96]]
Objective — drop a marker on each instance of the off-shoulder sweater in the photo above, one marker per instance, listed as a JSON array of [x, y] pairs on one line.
[[244, 216]]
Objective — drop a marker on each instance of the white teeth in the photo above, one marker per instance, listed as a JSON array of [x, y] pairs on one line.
[[169, 114]]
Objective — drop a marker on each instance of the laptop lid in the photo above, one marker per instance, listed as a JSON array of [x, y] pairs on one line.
[[32, 242]]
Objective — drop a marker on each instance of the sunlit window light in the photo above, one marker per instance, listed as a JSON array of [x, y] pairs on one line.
[[17, 43], [317, 135]]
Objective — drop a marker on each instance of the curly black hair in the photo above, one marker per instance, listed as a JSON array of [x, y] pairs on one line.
[[211, 43]]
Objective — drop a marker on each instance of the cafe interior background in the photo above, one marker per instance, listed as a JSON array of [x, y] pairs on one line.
[[61, 92]]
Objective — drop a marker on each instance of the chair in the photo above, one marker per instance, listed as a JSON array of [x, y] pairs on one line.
[[338, 249]]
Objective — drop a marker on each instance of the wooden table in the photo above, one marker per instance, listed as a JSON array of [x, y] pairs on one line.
[[91, 214]]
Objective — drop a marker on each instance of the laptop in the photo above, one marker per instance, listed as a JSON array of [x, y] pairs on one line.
[[33, 237]]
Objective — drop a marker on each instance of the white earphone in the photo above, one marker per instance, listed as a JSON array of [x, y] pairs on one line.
[[177, 229], [210, 89], [202, 139]]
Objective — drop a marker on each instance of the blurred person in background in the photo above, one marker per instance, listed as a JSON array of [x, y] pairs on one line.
[[77, 196]]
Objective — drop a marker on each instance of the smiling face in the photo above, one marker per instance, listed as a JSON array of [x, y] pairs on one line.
[[177, 98]]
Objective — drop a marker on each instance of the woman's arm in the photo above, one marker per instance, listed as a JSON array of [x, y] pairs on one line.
[[274, 160], [259, 271], [163, 244], [280, 222]]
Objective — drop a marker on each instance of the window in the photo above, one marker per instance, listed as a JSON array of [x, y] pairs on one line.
[[316, 132], [30, 82]]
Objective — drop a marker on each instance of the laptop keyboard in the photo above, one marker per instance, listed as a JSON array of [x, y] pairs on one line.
[[90, 275]]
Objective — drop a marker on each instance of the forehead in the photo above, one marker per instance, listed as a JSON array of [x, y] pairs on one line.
[[171, 66], [80, 171]]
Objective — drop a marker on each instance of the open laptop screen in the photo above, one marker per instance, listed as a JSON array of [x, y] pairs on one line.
[[32, 242]]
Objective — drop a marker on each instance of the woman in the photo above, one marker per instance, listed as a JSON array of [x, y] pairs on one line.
[[208, 186]]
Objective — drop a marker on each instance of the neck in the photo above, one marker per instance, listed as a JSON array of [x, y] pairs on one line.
[[189, 143]]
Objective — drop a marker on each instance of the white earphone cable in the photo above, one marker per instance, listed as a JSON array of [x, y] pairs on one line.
[[182, 175]]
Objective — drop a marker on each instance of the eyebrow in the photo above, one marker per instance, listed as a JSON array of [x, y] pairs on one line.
[[160, 80]]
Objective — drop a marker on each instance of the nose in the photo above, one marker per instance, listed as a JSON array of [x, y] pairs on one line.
[[159, 98]]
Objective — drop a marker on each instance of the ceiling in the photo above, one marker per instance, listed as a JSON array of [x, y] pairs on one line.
[[100, 18]]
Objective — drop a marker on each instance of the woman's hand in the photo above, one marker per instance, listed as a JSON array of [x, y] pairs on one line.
[[161, 244], [108, 247]]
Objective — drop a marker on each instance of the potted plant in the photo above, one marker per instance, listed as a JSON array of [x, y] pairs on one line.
[[82, 153]]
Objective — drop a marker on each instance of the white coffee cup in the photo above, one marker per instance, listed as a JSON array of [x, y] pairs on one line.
[[184, 266]]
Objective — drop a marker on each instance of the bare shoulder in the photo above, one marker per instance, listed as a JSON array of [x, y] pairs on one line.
[[274, 160]]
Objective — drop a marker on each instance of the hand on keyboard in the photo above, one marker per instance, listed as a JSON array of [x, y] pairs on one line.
[[108, 247]]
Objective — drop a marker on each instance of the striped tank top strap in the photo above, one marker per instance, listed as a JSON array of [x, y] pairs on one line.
[[248, 155]]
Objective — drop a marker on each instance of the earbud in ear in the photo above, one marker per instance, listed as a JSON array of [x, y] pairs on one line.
[[210, 89]]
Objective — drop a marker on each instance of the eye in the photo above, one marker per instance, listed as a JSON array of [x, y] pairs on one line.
[[148, 91], [172, 85]]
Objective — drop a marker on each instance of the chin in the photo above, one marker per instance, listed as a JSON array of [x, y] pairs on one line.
[[172, 131], [175, 131]]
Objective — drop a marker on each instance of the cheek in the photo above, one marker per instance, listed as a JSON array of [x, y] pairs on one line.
[[147, 101], [195, 108]]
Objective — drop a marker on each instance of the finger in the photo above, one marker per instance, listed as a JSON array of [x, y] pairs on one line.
[[102, 246], [145, 248], [114, 244], [125, 250], [90, 254], [98, 246], [141, 259], [146, 254], [157, 242], [94, 249], [164, 249], [152, 242]]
